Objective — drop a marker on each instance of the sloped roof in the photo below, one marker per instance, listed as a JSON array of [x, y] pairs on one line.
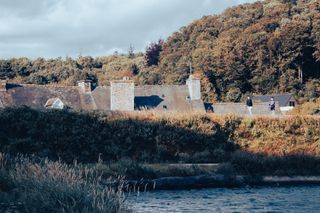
[[171, 98], [36, 96], [166, 97], [283, 99]]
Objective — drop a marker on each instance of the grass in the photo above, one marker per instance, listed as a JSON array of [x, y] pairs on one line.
[[124, 143], [308, 108], [33, 185]]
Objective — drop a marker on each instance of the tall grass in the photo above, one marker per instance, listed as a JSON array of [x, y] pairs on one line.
[[307, 108], [152, 137], [33, 185]]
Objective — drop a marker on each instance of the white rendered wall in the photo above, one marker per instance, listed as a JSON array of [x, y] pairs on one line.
[[194, 89], [122, 95]]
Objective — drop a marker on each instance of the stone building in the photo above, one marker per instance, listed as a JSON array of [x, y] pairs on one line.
[[121, 95]]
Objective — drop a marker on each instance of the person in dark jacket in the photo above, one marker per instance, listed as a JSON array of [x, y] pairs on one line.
[[249, 105]]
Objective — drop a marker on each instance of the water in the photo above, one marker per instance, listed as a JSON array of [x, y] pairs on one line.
[[282, 199]]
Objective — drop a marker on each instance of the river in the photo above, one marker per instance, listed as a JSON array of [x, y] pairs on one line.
[[274, 199]]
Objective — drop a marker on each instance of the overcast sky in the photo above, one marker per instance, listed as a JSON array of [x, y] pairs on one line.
[[53, 28]]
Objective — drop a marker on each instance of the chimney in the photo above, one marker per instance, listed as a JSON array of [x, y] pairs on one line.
[[122, 95], [3, 84], [194, 88], [85, 86]]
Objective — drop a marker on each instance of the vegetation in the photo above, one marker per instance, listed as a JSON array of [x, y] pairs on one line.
[[68, 71], [266, 47], [308, 108], [143, 137], [31, 185], [149, 137]]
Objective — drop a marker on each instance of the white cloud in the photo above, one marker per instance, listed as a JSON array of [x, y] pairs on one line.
[[52, 28]]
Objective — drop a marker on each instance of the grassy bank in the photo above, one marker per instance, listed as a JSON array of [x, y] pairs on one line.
[[33, 185], [123, 142]]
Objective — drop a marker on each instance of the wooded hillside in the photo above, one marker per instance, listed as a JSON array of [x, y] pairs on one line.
[[269, 46], [264, 47]]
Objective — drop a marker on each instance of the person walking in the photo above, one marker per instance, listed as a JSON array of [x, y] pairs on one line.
[[272, 106], [249, 105]]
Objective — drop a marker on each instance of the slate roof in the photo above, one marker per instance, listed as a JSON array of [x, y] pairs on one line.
[[164, 98], [283, 99]]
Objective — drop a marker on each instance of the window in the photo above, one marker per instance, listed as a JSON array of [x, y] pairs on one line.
[[292, 103]]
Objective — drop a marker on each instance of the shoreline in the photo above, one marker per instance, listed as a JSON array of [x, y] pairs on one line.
[[213, 181]]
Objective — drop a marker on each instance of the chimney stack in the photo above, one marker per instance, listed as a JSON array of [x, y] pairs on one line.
[[3, 84], [122, 95], [194, 88], [85, 86]]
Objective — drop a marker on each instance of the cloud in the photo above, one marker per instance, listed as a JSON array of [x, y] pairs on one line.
[[54, 28]]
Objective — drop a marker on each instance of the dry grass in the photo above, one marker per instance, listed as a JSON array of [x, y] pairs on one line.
[[44, 186], [308, 108]]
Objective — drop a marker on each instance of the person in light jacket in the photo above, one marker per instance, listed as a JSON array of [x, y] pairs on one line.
[[272, 106]]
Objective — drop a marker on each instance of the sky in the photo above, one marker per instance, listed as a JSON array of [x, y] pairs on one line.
[[60, 28]]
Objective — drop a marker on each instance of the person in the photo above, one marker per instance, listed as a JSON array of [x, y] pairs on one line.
[[272, 106], [249, 104]]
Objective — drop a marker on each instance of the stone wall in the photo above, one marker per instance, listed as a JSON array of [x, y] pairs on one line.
[[122, 95], [241, 109]]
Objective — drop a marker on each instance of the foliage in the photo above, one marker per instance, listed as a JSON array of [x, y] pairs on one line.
[[269, 46], [34, 185], [264, 47], [68, 71], [153, 51], [152, 137], [112, 136], [261, 165], [308, 108]]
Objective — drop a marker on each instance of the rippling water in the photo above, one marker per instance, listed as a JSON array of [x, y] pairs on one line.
[[282, 199]]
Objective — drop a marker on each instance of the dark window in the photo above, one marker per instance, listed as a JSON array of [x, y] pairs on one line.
[[292, 103], [165, 107]]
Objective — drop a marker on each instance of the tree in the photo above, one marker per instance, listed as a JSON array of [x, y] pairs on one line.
[[134, 69], [131, 52], [153, 51]]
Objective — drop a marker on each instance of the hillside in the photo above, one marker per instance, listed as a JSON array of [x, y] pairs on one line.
[[264, 47], [269, 46]]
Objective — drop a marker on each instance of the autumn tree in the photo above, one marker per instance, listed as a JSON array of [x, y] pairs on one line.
[[152, 54]]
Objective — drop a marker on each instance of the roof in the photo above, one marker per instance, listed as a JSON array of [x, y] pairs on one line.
[[157, 97], [283, 99], [166, 97]]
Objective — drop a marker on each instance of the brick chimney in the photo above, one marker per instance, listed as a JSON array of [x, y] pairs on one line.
[[194, 87], [122, 95], [85, 86]]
